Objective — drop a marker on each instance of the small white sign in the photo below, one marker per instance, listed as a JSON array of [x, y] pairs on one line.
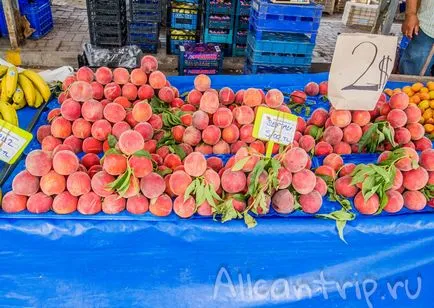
[[361, 66], [10, 144]]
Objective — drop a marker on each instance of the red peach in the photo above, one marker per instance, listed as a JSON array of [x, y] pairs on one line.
[[112, 90], [70, 110], [121, 75], [321, 186], [274, 98], [178, 182], [414, 200], [89, 204], [81, 128], [209, 102], [397, 118], [361, 117], [114, 113], [38, 163], [318, 117], [161, 206], [138, 77], [91, 145], [40, 203], [226, 96], [157, 80], [137, 205], [342, 148], [152, 185], [283, 202], [366, 207], [202, 82], [423, 144], [395, 201], [103, 75], [78, 183], [252, 97], [13, 203], [399, 101], [52, 183], [306, 142], [192, 136], [80, 91], [323, 148], [166, 94], [92, 110], [416, 130], [304, 181], [333, 135], [233, 181], [194, 97], [145, 92], [295, 160], [25, 184], [223, 117], [142, 111], [200, 119], [113, 204], [298, 97], [311, 202], [345, 188], [61, 128], [43, 131], [50, 143], [148, 64], [340, 118]]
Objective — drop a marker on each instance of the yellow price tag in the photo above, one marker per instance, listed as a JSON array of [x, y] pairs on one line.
[[274, 126], [13, 141]]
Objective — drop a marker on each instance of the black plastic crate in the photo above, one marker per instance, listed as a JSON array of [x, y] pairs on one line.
[[144, 35], [176, 37], [145, 10]]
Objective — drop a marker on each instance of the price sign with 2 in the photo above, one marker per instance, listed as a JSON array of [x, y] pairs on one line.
[[361, 66], [13, 141]]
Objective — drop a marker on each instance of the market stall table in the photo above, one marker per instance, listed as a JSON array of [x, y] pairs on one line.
[[125, 260]]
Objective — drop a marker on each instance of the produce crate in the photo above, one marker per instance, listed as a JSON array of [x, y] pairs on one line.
[[215, 21], [40, 18], [275, 58], [340, 6], [144, 35], [145, 10], [239, 50], [200, 58], [261, 34], [242, 22], [183, 18], [251, 68], [292, 43], [195, 2], [226, 7], [359, 14], [176, 37], [281, 17], [329, 5], [218, 36], [243, 8]]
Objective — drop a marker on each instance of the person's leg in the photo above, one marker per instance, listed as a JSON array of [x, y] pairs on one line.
[[415, 55]]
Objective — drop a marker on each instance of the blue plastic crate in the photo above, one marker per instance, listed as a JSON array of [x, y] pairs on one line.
[[227, 8], [174, 40], [145, 10], [253, 68], [212, 23], [144, 35], [258, 57], [281, 17], [3, 24], [288, 44], [40, 18], [240, 37], [223, 38], [184, 18], [243, 8], [196, 2], [238, 50], [241, 22]]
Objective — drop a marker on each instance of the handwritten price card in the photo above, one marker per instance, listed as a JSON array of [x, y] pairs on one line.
[[361, 66], [274, 126], [13, 141]]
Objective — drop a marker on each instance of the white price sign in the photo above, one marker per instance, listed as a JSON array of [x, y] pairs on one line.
[[13, 140], [361, 66]]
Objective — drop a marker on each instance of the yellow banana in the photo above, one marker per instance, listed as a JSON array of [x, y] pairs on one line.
[[3, 70], [8, 113], [38, 100], [19, 101], [11, 81], [39, 83], [3, 96], [28, 89]]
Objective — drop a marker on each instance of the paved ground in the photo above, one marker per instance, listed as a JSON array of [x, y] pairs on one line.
[[64, 42]]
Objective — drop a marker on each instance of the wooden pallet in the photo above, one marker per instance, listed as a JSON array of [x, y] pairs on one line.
[[329, 5]]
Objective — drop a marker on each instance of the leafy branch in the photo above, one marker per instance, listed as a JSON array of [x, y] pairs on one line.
[[376, 135]]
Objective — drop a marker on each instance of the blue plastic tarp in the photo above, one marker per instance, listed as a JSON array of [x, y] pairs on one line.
[[77, 261]]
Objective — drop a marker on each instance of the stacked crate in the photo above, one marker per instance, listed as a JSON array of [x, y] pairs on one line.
[[241, 28], [144, 18], [329, 5], [360, 15], [200, 58], [281, 37], [219, 20], [184, 21], [107, 22]]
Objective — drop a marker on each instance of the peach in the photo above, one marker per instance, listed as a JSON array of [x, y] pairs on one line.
[[361, 117], [50, 143], [236, 146], [295, 160], [60, 147], [221, 147], [195, 164], [120, 127], [121, 100], [406, 163], [192, 136], [43, 131], [75, 144], [214, 163], [258, 146], [239, 96], [92, 110], [415, 179], [395, 201], [188, 108], [347, 169], [97, 90], [397, 118], [103, 75], [209, 102], [172, 161], [427, 159], [212, 178], [211, 134], [130, 142], [68, 81], [114, 113], [157, 80], [423, 144], [303, 181], [203, 148], [91, 145], [252, 97], [178, 132], [301, 125], [100, 182], [344, 187], [152, 185], [326, 171], [81, 128], [243, 114], [166, 94], [150, 146], [115, 164], [204, 209], [149, 64], [133, 188], [61, 128], [161, 205], [121, 75], [142, 112], [89, 204], [40, 203], [38, 163], [80, 91], [78, 183], [226, 96], [333, 135], [194, 97], [399, 101], [62, 97], [140, 165], [25, 184], [101, 129], [414, 200], [333, 160], [178, 182], [416, 130], [94, 170], [65, 162], [323, 148], [186, 119], [298, 97], [321, 186], [233, 181], [202, 83], [113, 204], [402, 135], [137, 205], [352, 133], [13, 203], [54, 113], [246, 132], [145, 92], [311, 202], [112, 90], [70, 110], [413, 113], [306, 142], [366, 207], [222, 118], [52, 183], [230, 134], [145, 129], [283, 202], [340, 118], [274, 98], [311, 89], [200, 119], [318, 117]]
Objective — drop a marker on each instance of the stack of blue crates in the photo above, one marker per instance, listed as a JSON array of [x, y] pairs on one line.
[[184, 23], [241, 28], [219, 21], [144, 24], [281, 37]]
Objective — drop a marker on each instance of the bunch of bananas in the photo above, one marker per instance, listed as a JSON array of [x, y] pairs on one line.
[[18, 90]]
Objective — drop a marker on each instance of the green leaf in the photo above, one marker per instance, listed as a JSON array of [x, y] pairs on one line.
[[116, 184], [111, 141], [143, 153], [179, 151], [340, 225], [191, 188], [239, 165], [112, 151], [249, 221], [200, 193]]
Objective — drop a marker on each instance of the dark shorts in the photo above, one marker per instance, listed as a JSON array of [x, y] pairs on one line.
[[415, 55]]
